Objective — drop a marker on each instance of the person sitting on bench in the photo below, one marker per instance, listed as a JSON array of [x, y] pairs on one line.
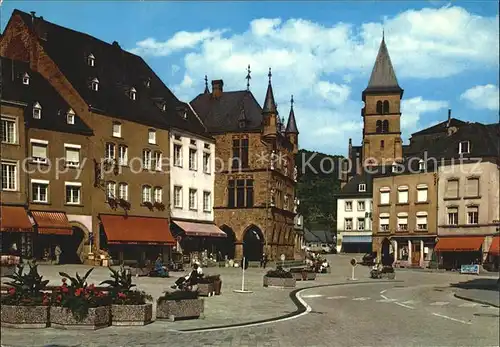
[[190, 279], [159, 268]]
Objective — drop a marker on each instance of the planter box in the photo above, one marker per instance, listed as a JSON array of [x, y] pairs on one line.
[[7, 270], [217, 287], [62, 318], [279, 282], [310, 276], [297, 276], [173, 309], [206, 289], [29, 317], [131, 314]]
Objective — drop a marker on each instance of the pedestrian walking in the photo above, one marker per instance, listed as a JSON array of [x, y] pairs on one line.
[[57, 253]]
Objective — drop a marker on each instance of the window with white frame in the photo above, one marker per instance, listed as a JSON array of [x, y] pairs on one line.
[[472, 214], [348, 206], [123, 191], [464, 147], [403, 194], [37, 111], [157, 164], [385, 195], [117, 129], [146, 194], [72, 153], [9, 176], [422, 193], [91, 60], [362, 187], [94, 85], [422, 165], [177, 196], [146, 159], [206, 162], [452, 213], [348, 224], [9, 130], [73, 192], [70, 116], [402, 221], [158, 194], [206, 201], [110, 153], [133, 93], [177, 155], [39, 151], [110, 190], [384, 222], [192, 159], [122, 155], [192, 199], [361, 224], [421, 220], [40, 191], [361, 206], [26, 79], [152, 136]]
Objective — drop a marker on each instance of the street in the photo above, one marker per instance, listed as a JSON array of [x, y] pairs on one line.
[[417, 309]]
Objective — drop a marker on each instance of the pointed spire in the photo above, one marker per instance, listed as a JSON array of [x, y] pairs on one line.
[[248, 78], [207, 91], [269, 103], [291, 127], [383, 77]]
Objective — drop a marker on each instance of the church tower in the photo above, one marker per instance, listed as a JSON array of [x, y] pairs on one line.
[[382, 144]]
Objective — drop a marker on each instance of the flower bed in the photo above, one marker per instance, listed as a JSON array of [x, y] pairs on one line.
[[129, 306], [180, 304], [8, 264], [279, 278], [96, 318], [25, 305]]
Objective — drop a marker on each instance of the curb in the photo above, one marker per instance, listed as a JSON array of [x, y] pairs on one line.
[[482, 302], [301, 308]]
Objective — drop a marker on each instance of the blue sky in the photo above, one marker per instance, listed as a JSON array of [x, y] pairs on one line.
[[445, 54]]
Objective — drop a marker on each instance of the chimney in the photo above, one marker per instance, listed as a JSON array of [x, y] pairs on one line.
[[33, 17], [217, 88], [449, 118]]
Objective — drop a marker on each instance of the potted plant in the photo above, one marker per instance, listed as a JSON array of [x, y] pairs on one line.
[[159, 206], [124, 204], [112, 203], [79, 304], [279, 278], [148, 204], [129, 307], [25, 305], [179, 304]]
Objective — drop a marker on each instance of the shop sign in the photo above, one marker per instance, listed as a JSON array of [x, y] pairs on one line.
[[469, 269]]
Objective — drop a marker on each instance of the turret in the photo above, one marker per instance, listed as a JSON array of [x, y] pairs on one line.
[[269, 112], [291, 131]]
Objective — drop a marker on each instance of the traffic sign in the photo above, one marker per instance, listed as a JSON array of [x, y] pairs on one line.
[[353, 262]]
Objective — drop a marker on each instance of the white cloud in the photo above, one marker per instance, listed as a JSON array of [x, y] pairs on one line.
[[482, 97], [319, 64], [413, 108]]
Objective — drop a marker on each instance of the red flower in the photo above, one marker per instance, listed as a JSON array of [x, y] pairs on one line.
[[78, 292], [59, 298], [91, 286], [12, 291], [122, 295], [64, 280], [64, 285], [65, 289]]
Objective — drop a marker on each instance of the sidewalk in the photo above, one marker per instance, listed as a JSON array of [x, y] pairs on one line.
[[481, 296]]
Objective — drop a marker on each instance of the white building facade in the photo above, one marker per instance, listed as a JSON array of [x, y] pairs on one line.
[[354, 216]]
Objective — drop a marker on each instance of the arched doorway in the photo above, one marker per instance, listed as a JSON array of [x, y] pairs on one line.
[[253, 243], [73, 247], [226, 245], [386, 252]]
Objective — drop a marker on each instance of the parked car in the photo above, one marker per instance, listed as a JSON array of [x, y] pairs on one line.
[[369, 259]]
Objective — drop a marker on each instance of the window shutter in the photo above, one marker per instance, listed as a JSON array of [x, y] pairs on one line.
[[472, 187], [421, 219], [73, 155], [422, 194], [452, 209], [452, 189], [384, 197], [472, 209], [39, 151]]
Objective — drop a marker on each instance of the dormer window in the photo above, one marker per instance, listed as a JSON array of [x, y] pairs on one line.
[[37, 111], [152, 136], [91, 60], [185, 115], [164, 107], [26, 79], [421, 165], [70, 116], [362, 187], [394, 167], [147, 83], [464, 147], [94, 85], [133, 94]]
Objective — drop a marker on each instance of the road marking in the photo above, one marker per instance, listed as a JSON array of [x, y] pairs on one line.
[[403, 305], [468, 304], [439, 303], [450, 318], [361, 299], [382, 292], [386, 300], [312, 296], [385, 297], [409, 302], [336, 297]]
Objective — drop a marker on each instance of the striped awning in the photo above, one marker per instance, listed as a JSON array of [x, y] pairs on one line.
[[52, 223]]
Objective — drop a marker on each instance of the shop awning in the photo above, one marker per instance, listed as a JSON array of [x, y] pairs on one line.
[[14, 219], [459, 244], [356, 239], [52, 223], [137, 230], [200, 229], [495, 246]]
